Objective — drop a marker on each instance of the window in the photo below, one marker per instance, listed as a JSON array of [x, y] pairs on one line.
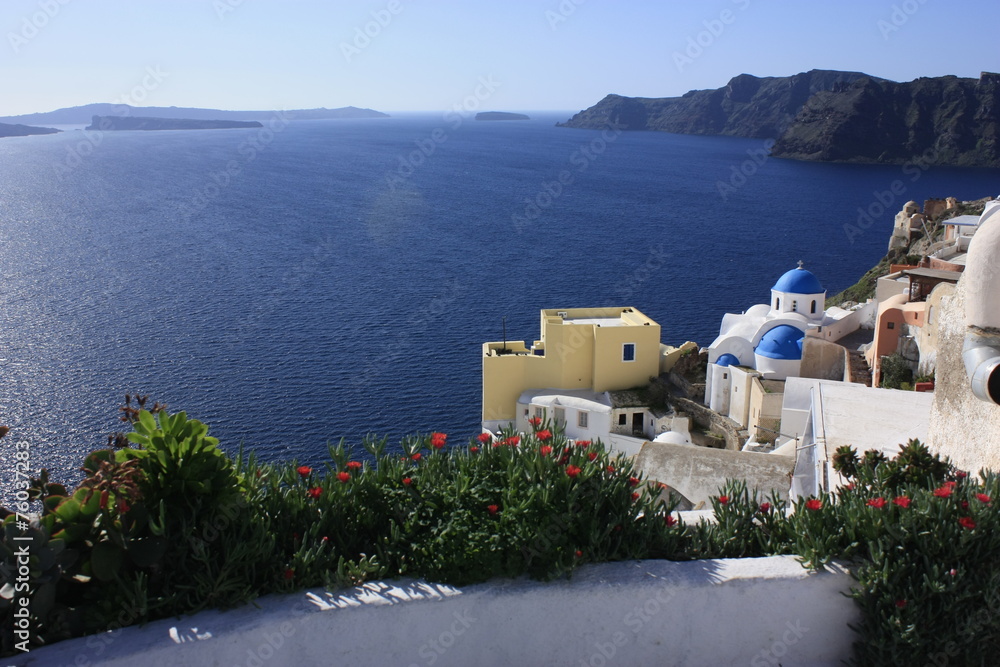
[[725, 376], [560, 416], [581, 419], [526, 412], [891, 325], [813, 310], [540, 413], [795, 306], [628, 352], [777, 303], [622, 419]]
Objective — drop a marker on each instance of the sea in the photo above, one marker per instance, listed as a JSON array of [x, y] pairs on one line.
[[312, 281]]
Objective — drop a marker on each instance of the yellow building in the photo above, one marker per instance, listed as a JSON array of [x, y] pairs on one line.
[[591, 349]]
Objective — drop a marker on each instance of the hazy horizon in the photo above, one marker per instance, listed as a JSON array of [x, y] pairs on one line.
[[398, 56]]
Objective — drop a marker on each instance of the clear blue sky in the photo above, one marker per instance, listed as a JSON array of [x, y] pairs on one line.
[[264, 54]]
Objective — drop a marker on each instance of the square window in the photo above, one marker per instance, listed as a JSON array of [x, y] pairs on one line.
[[892, 325], [628, 352], [581, 419], [622, 419], [540, 413]]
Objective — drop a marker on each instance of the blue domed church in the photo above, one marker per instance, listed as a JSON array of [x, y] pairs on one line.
[[769, 338]]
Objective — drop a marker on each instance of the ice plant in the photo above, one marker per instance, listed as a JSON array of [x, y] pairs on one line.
[[544, 450], [814, 504], [304, 471], [877, 503], [473, 449], [900, 604], [669, 520], [583, 443], [591, 456], [635, 496], [438, 440], [484, 438], [289, 573], [493, 509], [353, 465], [902, 501], [315, 492], [544, 435], [535, 422], [416, 457], [765, 507], [344, 476], [611, 469], [572, 471], [407, 481], [967, 522], [943, 491], [633, 481], [983, 498]]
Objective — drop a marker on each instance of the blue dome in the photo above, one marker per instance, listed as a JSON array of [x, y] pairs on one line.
[[782, 342], [727, 360], [798, 281]]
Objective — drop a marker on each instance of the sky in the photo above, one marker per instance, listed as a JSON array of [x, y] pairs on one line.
[[430, 55]]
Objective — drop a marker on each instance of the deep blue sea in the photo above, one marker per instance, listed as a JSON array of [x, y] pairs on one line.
[[324, 279]]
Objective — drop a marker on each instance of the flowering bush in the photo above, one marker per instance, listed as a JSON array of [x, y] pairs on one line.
[[145, 530]]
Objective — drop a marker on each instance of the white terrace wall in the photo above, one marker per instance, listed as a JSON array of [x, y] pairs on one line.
[[755, 612]]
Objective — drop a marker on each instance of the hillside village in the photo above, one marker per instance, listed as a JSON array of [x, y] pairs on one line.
[[787, 381]]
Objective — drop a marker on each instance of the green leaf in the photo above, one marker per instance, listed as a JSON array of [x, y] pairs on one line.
[[106, 559]]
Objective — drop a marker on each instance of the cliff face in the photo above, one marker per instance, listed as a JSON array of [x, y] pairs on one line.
[[748, 106], [943, 120], [830, 116]]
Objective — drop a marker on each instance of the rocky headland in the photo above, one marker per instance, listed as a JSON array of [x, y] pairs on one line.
[[24, 130], [830, 116], [83, 114]]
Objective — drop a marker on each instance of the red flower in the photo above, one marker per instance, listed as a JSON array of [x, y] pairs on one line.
[[635, 496], [353, 465], [961, 474], [326, 539], [484, 437], [578, 553], [407, 481], [983, 498], [765, 507], [814, 504], [611, 469], [344, 476], [572, 471], [544, 435], [877, 503], [513, 441], [416, 457], [591, 456], [315, 492], [723, 500], [493, 509], [950, 484], [304, 471], [902, 501], [544, 450], [850, 487], [967, 522], [669, 520], [942, 491], [953, 572], [123, 506], [583, 443], [473, 449], [104, 499], [633, 481], [535, 422], [965, 504], [900, 604], [438, 440], [289, 573]]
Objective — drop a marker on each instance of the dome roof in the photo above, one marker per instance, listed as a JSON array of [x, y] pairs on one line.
[[782, 342], [727, 360], [798, 281]]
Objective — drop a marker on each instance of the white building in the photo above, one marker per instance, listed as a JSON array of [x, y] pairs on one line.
[[769, 338]]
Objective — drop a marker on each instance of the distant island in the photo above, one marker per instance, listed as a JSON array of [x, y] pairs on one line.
[[24, 130], [827, 115], [115, 123], [84, 114], [500, 115]]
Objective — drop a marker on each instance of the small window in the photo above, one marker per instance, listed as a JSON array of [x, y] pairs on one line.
[[725, 376], [540, 413], [526, 412], [813, 310], [795, 306], [891, 325], [628, 352], [622, 419], [581, 419], [777, 303]]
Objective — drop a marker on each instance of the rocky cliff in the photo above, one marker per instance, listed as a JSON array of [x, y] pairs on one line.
[[748, 106], [830, 116], [943, 120]]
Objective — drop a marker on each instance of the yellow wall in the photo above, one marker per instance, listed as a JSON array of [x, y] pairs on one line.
[[577, 356]]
